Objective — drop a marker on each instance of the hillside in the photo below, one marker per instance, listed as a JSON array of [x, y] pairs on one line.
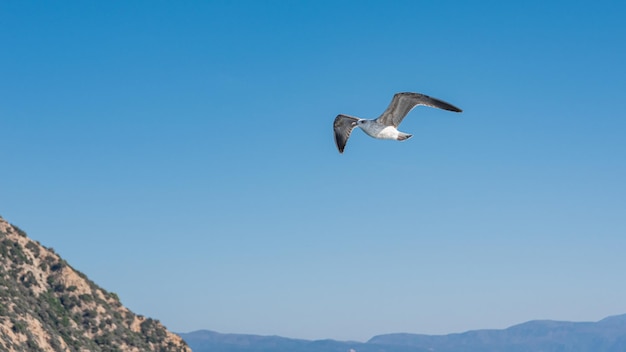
[[46, 305], [607, 335]]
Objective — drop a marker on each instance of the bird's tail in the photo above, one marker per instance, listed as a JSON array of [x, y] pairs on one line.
[[404, 136]]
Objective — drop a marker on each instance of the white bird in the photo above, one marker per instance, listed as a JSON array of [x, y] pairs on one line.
[[386, 125]]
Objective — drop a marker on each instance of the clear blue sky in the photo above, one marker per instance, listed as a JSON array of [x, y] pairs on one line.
[[181, 155]]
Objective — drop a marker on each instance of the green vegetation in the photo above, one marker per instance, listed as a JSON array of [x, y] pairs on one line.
[[29, 279], [19, 231], [19, 327], [34, 248], [58, 265], [14, 252]]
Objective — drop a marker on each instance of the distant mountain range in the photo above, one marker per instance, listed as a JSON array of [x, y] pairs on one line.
[[606, 335]]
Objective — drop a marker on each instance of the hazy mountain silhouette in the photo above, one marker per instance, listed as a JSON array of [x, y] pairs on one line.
[[205, 340], [606, 335]]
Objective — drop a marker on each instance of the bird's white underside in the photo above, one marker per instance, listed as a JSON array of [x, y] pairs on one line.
[[379, 131]]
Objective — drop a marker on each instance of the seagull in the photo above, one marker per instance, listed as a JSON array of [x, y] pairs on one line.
[[386, 125]]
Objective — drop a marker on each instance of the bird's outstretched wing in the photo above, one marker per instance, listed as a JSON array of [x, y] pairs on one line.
[[343, 126], [402, 103]]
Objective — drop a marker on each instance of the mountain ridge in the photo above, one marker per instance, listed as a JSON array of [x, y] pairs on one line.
[[606, 335]]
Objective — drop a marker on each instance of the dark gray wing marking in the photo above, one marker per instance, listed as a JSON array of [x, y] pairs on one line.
[[343, 126]]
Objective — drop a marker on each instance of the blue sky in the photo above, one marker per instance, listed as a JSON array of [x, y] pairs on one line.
[[181, 155]]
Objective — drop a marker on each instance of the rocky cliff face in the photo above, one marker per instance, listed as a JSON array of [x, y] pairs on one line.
[[46, 305]]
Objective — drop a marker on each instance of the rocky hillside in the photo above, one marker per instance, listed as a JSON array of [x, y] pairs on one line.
[[46, 305]]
